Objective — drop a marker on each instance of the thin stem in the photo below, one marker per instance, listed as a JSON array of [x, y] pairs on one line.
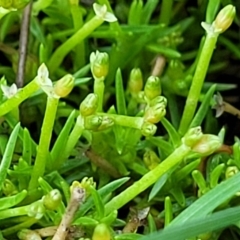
[[23, 43], [71, 142], [197, 82], [19, 97], [147, 180], [126, 121], [77, 24], [98, 89], [45, 138], [73, 41]]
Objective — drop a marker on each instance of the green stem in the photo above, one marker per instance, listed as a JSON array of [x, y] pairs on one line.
[[71, 142], [126, 121], [14, 212], [98, 89], [77, 24], [73, 41], [197, 82], [147, 180], [166, 11], [19, 97], [45, 138]]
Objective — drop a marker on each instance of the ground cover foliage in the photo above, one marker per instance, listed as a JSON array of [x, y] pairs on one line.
[[119, 119]]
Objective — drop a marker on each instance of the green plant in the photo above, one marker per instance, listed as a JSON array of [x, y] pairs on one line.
[[76, 154]]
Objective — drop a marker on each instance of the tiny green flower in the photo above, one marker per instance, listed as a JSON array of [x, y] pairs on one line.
[[152, 88], [43, 76], [135, 83], [9, 188], [89, 105], [9, 92], [224, 18], [99, 64], [64, 86], [101, 12], [86, 183], [148, 129]]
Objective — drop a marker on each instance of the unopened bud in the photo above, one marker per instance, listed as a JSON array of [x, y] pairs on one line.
[[101, 232], [151, 159], [207, 144], [64, 86], [192, 136], [99, 64], [135, 83], [148, 129], [19, 4], [231, 171], [224, 18], [52, 200], [98, 123], [89, 105], [155, 113], [26, 234], [152, 88]]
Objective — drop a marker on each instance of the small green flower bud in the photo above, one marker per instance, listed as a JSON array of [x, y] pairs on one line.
[[26, 234], [6, 3], [52, 200], [148, 129], [151, 159], [224, 18], [135, 83], [231, 171], [207, 144], [158, 100], [9, 188], [152, 88], [89, 105], [36, 210], [97, 123], [155, 113], [99, 65], [86, 183], [18, 4], [192, 136], [64, 86], [101, 232]]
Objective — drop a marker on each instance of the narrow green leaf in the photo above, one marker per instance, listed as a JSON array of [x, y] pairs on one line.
[[27, 147], [8, 202], [197, 226], [158, 185], [135, 12], [128, 236], [212, 9], [86, 221], [148, 9], [120, 94], [211, 200], [62, 137], [109, 188], [98, 203], [7, 156], [202, 111], [173, 134]]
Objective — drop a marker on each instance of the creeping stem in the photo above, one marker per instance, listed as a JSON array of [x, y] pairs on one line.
[[147, 180], [45, 138]]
